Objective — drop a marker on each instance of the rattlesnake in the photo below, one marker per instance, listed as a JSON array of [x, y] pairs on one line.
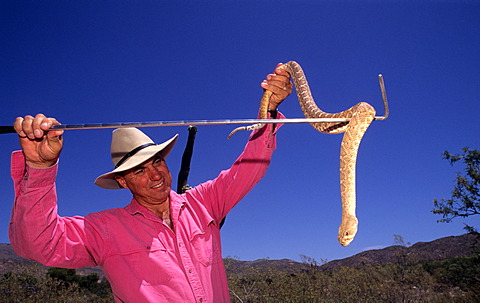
[[360, 115]]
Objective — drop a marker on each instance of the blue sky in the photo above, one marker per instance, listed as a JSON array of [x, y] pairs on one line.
[[109, 61]]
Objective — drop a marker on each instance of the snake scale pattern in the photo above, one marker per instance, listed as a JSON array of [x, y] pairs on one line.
[[361, 116]]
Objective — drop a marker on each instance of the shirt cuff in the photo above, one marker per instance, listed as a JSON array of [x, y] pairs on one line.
[[33, 177], [276, 126]]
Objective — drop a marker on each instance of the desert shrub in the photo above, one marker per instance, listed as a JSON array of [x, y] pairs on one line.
[[398, 282], [33, 284]]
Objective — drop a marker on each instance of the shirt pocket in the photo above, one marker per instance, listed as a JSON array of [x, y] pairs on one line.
[[150, 263], [205, 245]]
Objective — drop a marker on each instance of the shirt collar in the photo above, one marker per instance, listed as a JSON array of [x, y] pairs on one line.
[[134, 207], [176, 203]]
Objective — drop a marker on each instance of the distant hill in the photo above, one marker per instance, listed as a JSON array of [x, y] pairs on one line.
[[443, 248]]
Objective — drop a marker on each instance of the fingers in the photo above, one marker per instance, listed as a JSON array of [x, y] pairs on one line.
[[279, 84], [280, 79], [36, 127], [17, 125], [52, 133]]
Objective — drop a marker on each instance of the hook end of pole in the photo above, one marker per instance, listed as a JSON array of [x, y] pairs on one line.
[[384, 98]]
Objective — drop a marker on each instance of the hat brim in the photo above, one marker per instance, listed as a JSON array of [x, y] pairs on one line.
[[108, 181]]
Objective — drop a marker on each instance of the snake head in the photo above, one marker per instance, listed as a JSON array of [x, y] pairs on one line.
[[347, 230]]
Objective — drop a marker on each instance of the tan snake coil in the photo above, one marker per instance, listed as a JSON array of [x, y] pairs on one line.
[[360, 115]]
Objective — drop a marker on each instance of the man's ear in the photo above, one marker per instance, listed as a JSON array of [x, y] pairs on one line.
[[121, 181]]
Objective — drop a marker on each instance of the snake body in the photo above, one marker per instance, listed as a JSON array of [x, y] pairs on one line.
[[361, 115]]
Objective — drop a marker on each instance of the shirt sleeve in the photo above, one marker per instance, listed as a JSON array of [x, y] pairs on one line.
[[36, 231], [220, 195]]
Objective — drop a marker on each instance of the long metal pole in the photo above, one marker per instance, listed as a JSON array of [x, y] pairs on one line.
[[10, 129]]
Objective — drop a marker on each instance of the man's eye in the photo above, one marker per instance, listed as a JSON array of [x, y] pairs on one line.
[[138, 171], [158, 161]]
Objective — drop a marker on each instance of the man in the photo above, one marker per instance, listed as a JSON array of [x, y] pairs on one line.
[[162, 247]]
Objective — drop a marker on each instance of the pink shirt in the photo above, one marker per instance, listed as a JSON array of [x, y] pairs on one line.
[[143, 259]]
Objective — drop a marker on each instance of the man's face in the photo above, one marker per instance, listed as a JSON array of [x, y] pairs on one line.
[[149, 182]]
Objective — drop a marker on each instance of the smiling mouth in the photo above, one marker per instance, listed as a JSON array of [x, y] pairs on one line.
[[158, 185]]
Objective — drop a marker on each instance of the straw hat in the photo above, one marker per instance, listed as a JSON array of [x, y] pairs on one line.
[[131, 147]]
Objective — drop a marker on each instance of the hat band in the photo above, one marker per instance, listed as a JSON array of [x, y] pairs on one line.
[[131, 153]]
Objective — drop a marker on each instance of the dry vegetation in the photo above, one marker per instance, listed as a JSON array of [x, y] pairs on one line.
[[34, 283], [451, 280]]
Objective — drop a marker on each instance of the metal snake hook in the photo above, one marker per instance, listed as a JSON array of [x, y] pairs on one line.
[[384, 97]]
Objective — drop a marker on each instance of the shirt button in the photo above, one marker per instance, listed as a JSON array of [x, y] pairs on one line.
[[189, 271], [179, 244], [201, 299]]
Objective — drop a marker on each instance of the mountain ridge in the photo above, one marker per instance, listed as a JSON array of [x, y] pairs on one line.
[[442, 248]]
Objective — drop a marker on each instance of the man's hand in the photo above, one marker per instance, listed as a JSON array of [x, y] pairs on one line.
[[280, 86], [40, 146]]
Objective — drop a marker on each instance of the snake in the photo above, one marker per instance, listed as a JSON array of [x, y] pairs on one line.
[[360, 117]]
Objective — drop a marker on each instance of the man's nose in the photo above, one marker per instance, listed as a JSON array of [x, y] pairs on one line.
[[153, 173]]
